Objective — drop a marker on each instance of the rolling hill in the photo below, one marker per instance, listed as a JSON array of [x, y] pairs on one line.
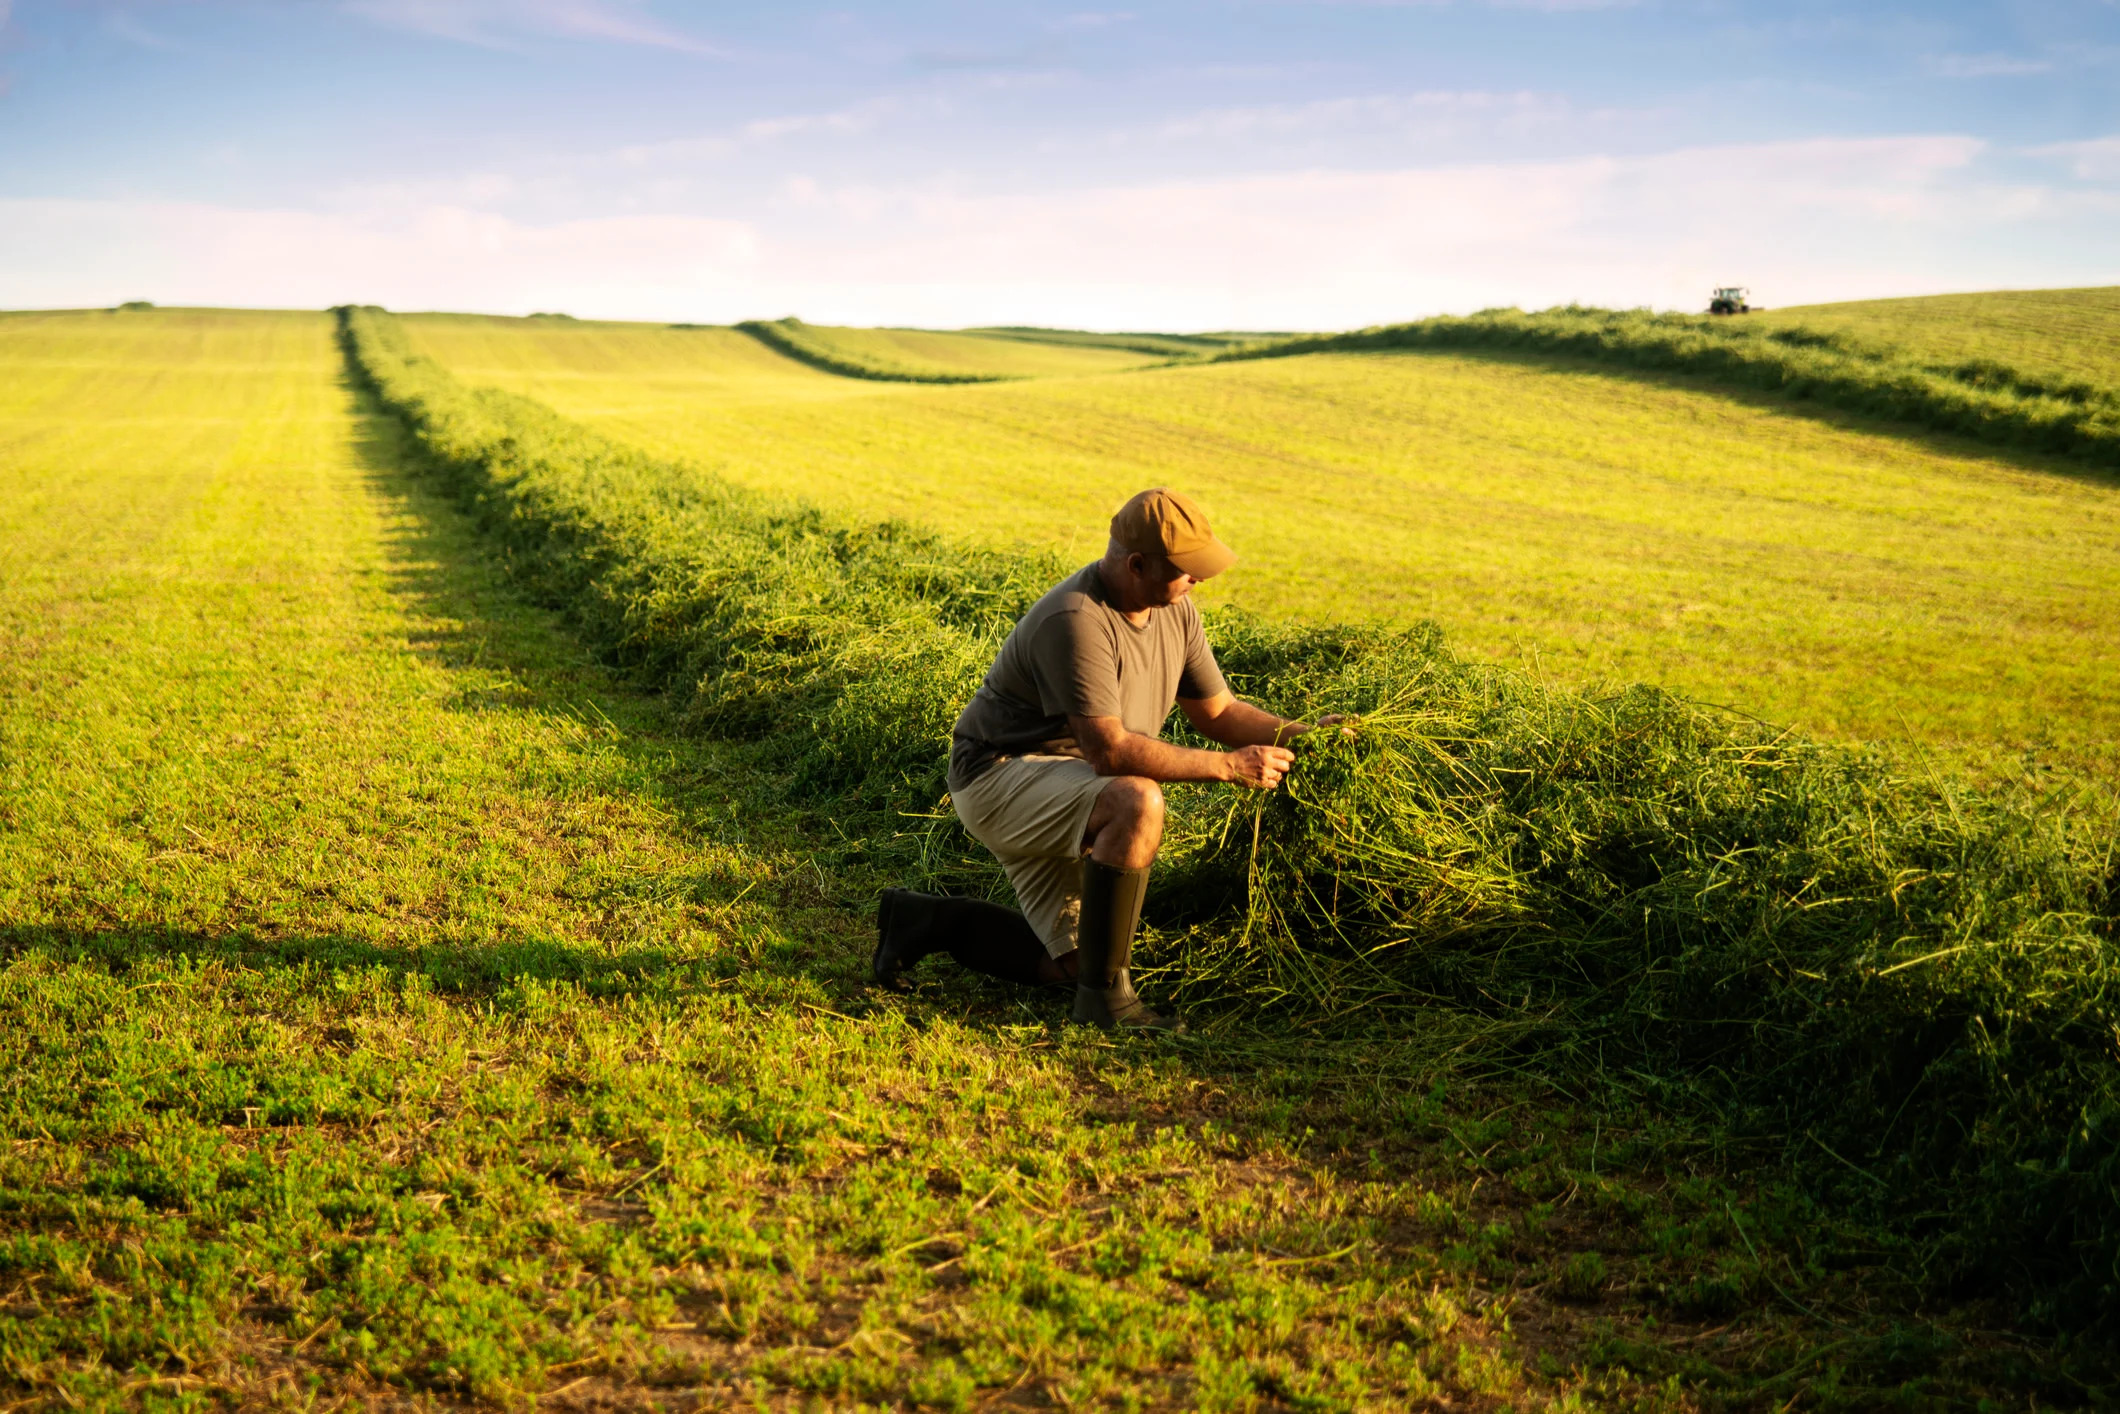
[[2063, 335], [1828, 571]]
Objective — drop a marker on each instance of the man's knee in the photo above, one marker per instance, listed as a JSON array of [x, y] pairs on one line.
[[1127, 828], [1136, 800]]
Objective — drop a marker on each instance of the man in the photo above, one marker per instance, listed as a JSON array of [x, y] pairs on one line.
[[1057, 766]]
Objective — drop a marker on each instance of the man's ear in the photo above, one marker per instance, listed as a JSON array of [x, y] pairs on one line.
[[1137, 565]]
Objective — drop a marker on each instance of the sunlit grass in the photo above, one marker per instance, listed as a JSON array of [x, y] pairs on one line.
[[1838, 575], [1623, 884], [398, 1008], [396, 1005], [2068, 335], [225, 700]]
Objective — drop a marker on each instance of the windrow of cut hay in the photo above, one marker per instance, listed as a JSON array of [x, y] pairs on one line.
[[1978, 398], [1177, 347], [814, 347], [1911, 987]]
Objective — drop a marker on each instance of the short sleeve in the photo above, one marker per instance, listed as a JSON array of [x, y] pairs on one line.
[[1076, 667], [1202, 677]]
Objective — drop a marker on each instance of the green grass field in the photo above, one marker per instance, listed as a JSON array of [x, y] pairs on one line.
[[402, 1010], [398, 1009], [1824, 571], [2065, 335]]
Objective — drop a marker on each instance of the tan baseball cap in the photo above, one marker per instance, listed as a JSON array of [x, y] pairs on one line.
[[1171, 524]]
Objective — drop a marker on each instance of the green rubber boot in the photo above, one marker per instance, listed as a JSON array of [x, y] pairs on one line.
[[984, 937], [1104, 988], [905, 927]]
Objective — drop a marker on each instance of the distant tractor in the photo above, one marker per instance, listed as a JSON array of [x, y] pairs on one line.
[[1730, 300]]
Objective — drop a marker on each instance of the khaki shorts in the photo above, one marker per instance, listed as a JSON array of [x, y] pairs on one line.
[[1032, 812]]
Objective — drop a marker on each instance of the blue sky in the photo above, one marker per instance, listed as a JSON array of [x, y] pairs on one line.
[[1224, 163]]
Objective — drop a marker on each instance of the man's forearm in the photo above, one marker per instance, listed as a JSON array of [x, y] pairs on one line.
[[1241, 724], [1137, 755]]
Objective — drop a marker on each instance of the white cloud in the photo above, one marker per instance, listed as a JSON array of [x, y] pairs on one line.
[[844, 122], [2093, 160], [1431, 113], [473, 190], [496, 22], [87, 253], [1797, 222], [1320, 249]]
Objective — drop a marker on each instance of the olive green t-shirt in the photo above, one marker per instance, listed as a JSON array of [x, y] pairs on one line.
[[1075, 652]]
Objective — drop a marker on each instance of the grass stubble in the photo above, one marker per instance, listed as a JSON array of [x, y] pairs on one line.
[[2058, 337], [1810, 942], [402, 1006], [1928, 384], [820, 350]]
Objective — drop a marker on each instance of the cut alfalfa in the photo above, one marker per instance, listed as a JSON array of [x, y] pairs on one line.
[[808, 344], [1806, 941]]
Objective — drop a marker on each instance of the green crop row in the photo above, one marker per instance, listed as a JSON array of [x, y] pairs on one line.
[[1906, 987], [807, 345], [1978, 398]]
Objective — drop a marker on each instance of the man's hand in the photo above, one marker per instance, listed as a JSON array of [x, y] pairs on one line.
[[1260, 767]]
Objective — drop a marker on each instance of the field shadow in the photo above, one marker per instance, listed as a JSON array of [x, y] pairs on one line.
[[440, 566], [511, 651], [1950, 446], [776, 892], [449, 967]]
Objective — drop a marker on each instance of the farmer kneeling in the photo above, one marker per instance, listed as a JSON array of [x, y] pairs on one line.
[[1058, 756]]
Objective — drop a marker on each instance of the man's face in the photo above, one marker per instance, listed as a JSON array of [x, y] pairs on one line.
[[1161, 581]]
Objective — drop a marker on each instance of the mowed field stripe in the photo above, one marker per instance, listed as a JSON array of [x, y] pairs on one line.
[[1823, 571], [228, 697]]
